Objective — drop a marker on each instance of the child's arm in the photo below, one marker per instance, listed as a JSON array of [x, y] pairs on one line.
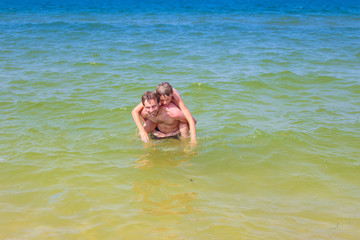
[[136, 116], [191, 121]]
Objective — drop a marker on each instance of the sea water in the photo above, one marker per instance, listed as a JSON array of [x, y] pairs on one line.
[[274, 87]]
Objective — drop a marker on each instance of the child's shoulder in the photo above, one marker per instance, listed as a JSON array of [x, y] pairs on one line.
[[175, 91]]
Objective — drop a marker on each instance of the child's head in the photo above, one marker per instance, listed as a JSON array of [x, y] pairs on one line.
[[165, 92]]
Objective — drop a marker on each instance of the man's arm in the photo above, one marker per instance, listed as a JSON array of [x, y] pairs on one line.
[[191, 121], [136, 116]]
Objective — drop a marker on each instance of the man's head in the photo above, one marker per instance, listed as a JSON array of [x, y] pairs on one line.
[[151, 100], [165, 92]]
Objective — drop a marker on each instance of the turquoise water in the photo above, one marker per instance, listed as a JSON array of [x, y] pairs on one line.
[[274, 87]]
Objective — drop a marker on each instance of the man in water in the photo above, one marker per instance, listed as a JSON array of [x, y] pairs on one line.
[[163, 121], [167, 94]]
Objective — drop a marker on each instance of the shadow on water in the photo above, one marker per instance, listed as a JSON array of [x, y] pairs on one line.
[[156, 198], [165, 153], [162, 191]]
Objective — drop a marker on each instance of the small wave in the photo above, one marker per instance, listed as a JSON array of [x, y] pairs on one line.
[[201, 86], [45, 84], [58, 25], [14, 68], [257, 134], [58, 196], [285, 76], [62, 62], [327, 111], [34, 53], [256, 84], [332, 62], [353, 88], [50, 25], [320, 79], [194, 57], [95, 26], [262, 136], [146, 45], [96, 64], [286, 21], [95, 75], [5, 52], [19, 82], [292, 81], [44, 106], [170, 53]]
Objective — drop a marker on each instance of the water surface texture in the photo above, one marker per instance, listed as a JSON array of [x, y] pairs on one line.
[[273, 85]]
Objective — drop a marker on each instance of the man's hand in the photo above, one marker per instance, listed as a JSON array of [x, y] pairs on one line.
[[144, 136]]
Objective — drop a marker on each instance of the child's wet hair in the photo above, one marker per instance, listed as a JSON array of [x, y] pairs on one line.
[[164, 88]]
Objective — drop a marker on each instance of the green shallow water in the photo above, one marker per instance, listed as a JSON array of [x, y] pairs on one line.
[[278, 127]]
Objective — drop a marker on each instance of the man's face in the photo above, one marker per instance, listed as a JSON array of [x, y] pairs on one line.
[[151, 107], [165, 100]]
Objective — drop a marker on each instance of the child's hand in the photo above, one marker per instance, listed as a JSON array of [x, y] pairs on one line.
[[159, 134]]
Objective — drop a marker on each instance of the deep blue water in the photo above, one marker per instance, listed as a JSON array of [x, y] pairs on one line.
[[205, 6]]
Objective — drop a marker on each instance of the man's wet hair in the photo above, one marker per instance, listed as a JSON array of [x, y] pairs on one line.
[[164, 88], [148, 95]]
